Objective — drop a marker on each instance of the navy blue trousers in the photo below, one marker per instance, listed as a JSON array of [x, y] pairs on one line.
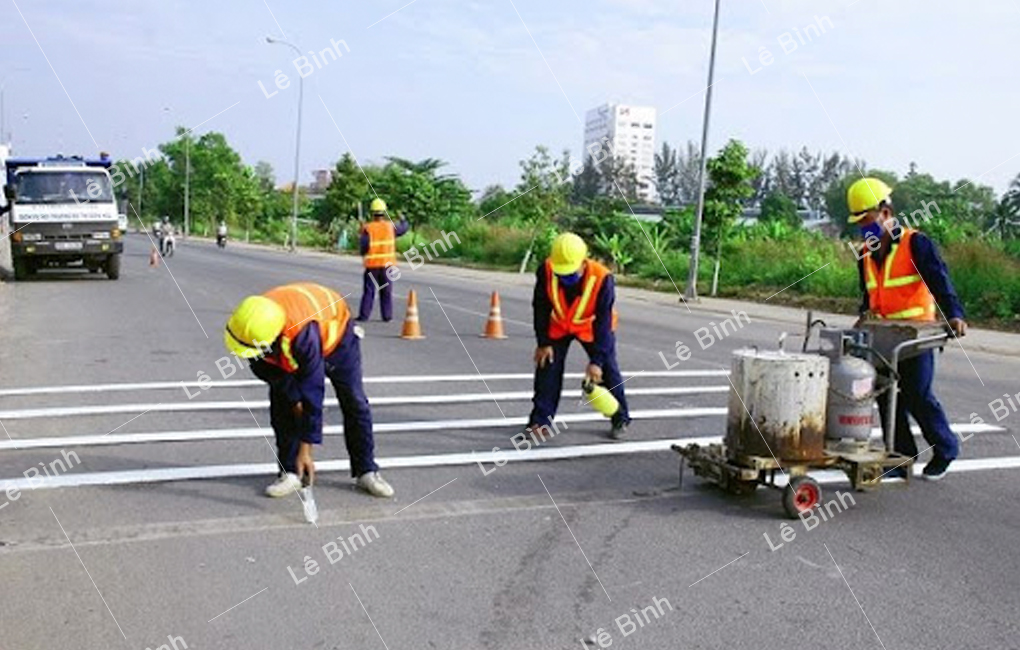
[[549, 383], [376, 278], [343, 368], [917, 398]]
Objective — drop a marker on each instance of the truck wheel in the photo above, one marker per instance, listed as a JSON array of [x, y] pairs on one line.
[[22, 269], [113, 267]]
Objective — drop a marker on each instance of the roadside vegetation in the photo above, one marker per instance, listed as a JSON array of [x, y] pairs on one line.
[[512, 228]]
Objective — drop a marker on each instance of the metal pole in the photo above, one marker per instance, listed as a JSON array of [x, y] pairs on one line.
[[297, 163], [692, 274], [2, 130], [297, 144], [141, 188], [187, 184]]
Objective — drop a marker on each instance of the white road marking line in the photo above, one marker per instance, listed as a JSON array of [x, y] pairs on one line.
[[389, 427], [209, 435], [170, 407], [167, 474], [393, 379]]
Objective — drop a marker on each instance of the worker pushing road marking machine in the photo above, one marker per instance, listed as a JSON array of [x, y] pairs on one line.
[[791, 412]]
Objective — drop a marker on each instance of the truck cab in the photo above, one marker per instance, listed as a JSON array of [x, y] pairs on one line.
[[62, 213]]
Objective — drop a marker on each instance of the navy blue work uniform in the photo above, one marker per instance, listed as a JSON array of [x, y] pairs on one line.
[[307, 385], [917, 374], [376, 277], [601, 352]]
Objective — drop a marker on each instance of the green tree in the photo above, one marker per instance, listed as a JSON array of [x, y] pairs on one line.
[[777, 207], [666, 175], [730, 176], [544, 190], [347, 188]]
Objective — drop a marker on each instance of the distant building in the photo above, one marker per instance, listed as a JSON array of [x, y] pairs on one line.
[[323, 177], [630, 134]]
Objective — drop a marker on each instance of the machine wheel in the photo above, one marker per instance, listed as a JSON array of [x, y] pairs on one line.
[[800, 495], [112, 267]]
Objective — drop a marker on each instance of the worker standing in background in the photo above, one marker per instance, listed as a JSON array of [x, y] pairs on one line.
[[379, 249], [904, 278], [574, 299], [295, 336]]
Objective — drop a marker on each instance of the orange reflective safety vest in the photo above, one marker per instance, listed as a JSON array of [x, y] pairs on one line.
[[578, 318], [896, 291], [304, 302], [382, 244]]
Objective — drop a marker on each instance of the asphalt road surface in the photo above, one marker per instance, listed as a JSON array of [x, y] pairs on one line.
[[148, 526]]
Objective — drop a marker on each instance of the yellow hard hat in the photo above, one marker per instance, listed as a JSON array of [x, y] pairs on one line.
[[568, 253], [254, 326], [378, 206], [866, 195]]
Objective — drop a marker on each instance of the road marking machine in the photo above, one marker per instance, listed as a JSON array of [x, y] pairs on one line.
[[792, 412]]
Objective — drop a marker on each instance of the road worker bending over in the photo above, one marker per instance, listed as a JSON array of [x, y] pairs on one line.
[[574, 299], [379, 250], [903, 278], [294, 337]]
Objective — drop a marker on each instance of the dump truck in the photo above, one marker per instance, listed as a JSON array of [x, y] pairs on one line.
[[62, 213]]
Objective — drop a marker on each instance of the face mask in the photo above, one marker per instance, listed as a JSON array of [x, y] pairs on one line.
[[569, 280], [871, 230]]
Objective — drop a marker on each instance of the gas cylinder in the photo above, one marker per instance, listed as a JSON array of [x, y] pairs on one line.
[[851, 401]]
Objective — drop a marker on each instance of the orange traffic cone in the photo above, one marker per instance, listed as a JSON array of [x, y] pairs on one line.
[[494, 326], [412, 328], [153, 257]]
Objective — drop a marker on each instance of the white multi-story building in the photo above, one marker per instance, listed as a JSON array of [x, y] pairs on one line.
[[630, 130]]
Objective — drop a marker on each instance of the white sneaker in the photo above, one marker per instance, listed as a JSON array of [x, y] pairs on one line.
[[375, 485], [285, 485]]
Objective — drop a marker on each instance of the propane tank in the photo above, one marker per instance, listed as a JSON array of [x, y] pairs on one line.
[[851, 399], [600, 398]]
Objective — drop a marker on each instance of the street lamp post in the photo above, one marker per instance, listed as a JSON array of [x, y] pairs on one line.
[[692, 273], [297, 145], [187, 185]]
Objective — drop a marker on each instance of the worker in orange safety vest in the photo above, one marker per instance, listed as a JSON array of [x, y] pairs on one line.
[[379, 250], [903, 278], [295, 337], [574, 298]]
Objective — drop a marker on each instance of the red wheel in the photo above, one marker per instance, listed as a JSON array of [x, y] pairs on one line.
[[801, 494]]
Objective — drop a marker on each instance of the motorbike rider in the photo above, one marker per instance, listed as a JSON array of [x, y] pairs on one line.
[[221, 234], [166, 235]]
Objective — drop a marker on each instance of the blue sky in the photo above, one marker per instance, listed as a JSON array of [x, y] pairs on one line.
[[463, 80]]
